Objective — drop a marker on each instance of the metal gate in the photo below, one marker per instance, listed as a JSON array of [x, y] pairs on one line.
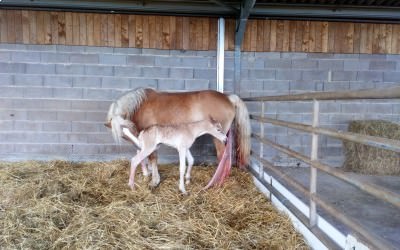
[[366, 236]]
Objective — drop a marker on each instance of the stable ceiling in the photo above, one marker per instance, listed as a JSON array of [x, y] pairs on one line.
[[351, 10]]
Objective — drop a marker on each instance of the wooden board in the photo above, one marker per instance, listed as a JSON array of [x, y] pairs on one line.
[[90, 29], [18, 26], [194, 33], [124, 31]]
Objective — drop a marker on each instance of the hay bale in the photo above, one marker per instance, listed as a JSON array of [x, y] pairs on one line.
[[64, 205], [370, 160]]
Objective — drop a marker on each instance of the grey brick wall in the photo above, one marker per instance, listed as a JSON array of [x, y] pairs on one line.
[[290, 73], [54, 99]]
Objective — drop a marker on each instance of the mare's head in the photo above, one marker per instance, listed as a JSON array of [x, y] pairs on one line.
[[116, 124], [121, 111]]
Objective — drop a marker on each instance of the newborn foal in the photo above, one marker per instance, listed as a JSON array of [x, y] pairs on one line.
[[181, 137]]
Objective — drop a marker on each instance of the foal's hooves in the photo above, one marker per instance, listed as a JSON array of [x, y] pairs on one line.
[[186, 193], [153, 185], [132, 186]]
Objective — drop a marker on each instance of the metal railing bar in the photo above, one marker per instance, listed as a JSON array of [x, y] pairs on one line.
[[262, 133], [384, 143], [314, 156], [299, 215], [377, 191], [372, 239], [388, 93]]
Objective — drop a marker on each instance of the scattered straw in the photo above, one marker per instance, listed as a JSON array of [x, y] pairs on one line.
[[370, 160], [54, 205]]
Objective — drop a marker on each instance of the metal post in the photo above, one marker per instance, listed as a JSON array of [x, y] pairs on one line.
[[313, 174], [220, 54], [261, 170], [237, 70]]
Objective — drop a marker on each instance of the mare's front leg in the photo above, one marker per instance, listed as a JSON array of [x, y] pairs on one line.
[[182, 169], [155, 180], [190, 161]]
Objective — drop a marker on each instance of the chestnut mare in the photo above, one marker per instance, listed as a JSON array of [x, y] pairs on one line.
[[146, 107]]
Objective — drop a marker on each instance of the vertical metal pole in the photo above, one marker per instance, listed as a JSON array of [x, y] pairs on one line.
[[237, 70], [261, 170], [314, 157], [220, 54]]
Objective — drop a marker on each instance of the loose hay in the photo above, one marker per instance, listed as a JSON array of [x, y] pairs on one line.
[[370, 160], [54, 205]]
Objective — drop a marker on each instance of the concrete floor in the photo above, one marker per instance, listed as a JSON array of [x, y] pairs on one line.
[[380, 217]]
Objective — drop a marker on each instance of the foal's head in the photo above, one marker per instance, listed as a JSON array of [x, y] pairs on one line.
[[215, 129]]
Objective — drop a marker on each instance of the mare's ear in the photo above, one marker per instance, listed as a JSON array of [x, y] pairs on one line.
[[107, 124]]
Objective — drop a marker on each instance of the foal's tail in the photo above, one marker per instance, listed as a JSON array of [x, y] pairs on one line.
[[242, 131]]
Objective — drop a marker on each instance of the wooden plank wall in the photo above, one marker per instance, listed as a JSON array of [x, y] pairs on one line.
[[194, 33], [313, 36], [113, 30]]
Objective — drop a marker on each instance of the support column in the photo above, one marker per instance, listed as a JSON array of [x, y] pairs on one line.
[[245, 7], [220, 54], [237, 70]]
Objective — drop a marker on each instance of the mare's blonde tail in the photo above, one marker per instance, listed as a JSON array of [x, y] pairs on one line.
[[242, 131]]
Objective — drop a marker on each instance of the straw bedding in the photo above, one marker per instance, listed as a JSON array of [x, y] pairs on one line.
[[57, 204], [370, 160]]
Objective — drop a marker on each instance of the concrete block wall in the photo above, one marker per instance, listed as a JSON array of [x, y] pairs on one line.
[[54, 99], [290, 73]]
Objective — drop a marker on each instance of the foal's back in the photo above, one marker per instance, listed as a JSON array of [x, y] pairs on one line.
[[177, 136]]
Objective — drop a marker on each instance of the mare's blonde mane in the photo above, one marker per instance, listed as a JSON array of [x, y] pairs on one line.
[[121, 111], [127, 104]]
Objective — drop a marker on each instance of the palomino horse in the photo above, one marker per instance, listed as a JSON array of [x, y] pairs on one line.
[[146, 107], [180, 136]]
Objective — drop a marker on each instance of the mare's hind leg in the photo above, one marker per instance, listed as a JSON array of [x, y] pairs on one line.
[[190, 160], [155, 180], [220, 147]]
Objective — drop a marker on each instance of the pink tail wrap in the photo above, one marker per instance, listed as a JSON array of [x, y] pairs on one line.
[[224, 166]]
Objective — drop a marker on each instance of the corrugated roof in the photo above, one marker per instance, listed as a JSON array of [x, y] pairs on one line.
[[362, 10]]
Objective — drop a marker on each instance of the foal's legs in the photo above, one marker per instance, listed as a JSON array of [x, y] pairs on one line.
[[182, 169], [190, 161], [128, 135], [139, 157], [144, 166], [155, 180]]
